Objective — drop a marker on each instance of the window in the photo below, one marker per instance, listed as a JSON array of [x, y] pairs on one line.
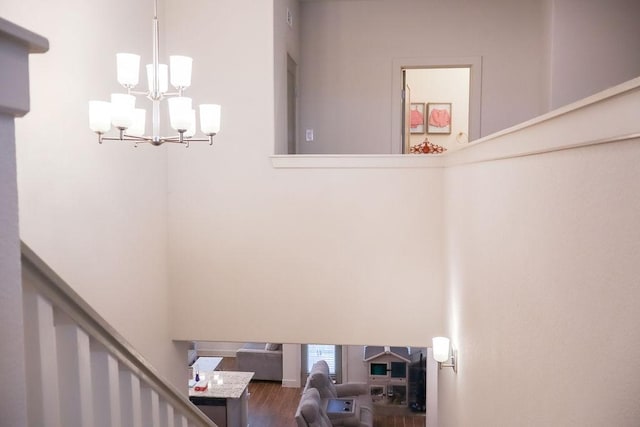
[[332, 354]]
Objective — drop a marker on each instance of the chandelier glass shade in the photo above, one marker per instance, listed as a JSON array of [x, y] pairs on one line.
[[121, 111]]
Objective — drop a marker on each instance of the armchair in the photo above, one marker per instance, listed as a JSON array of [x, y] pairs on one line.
[[320, 380], [310, 412]]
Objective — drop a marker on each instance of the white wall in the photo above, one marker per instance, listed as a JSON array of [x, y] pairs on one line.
[[272, 255], [293, 256], [595, 45], [347, 52], [95, 213], [543, 254]]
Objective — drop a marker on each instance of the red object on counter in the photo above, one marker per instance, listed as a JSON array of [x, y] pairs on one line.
[[201, 386]]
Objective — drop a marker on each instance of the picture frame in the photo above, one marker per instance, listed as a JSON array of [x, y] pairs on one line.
[[417, 118], [438, 118]]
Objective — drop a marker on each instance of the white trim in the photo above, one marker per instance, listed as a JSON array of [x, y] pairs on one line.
[[291, 383], [33, 42], [216, 353], [614, 91], [533, 152], [373, 161], [617, 106]]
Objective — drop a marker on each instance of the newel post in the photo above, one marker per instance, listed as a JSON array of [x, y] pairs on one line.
[[16, 44]]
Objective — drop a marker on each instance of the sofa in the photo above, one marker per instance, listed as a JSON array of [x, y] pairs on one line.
[[320, 381], [264, 359]]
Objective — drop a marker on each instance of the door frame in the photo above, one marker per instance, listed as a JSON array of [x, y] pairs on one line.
[[474, 63], [292, 105]]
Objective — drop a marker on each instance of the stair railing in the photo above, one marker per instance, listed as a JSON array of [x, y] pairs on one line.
[[81, 371]]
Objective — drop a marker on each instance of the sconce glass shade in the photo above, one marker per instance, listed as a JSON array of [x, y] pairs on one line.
[[99, 116], [210, 118], [180, 113], [128, 68], [163, 72], [180, 70], [122, 107], [139, 118], [441, 349]]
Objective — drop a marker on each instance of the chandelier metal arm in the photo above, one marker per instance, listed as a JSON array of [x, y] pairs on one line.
[[178, 139]]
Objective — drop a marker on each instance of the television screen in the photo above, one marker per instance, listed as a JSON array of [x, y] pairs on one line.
[[398, 370], [378, 369]]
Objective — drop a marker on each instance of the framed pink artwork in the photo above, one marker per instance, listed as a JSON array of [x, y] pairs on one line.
[[439, 117], [416, 117]]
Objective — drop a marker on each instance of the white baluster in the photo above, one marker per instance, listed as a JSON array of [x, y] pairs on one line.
[[167, 416], [106, 387], [74, 363], [130, 401], [181, 421], [43, 404], [150, 408]]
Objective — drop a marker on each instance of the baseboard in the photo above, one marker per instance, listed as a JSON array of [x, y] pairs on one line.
[[291, 383], [217, 353]]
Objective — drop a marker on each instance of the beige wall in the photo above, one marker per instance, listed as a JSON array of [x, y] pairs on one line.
[[543, 259], [595, 45], [95, 213], [293, 256], [348, 50]]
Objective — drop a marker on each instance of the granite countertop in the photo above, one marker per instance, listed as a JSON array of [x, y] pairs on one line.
[[232, 387]]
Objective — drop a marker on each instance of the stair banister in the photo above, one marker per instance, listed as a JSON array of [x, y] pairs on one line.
[[149, 394]]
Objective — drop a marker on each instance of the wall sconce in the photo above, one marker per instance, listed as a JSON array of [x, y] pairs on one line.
[[441, 353]]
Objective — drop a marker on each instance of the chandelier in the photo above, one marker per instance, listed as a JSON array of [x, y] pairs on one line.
[[130, 121]]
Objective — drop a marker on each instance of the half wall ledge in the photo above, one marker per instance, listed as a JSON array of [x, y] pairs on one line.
[[356, 161], [575, 125]]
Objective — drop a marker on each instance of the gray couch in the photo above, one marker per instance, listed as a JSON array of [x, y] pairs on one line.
[[263, 359], [319, 380]]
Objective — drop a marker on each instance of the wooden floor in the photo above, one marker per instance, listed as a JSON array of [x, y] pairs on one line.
[[271, 405]]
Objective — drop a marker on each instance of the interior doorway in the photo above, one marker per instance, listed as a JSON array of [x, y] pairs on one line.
[[453, 91], [435, 109], [292, 116]]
